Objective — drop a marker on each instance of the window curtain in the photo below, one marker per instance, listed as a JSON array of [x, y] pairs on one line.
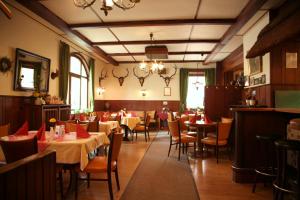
[[91, 83], [210, 76], [64, 63], [183, 74]]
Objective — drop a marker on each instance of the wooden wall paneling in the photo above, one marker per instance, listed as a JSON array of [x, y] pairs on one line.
[[219, 74], [1, 111]]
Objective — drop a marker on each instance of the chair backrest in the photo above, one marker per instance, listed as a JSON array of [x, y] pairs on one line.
[[151, 113], [226, 120], [147, 121], [4, 130], [93, 126], [182, 119], [174, 128], [71, 127], [223, 130], [114, 148], [170, 117], [17, 149]]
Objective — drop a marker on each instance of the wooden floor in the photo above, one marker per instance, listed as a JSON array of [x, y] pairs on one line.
[[213, 180]]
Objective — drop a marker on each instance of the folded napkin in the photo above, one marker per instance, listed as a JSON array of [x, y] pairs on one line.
[[193, 119], [81, 132], [82, 117], [23, 130], [41, 133]]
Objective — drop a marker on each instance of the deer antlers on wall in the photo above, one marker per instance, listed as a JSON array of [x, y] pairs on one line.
[[141, 78], [167, 79], [121, 78], [102, 76]]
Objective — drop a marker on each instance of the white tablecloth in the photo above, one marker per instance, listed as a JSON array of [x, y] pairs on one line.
[[131, 122], [108, 126]]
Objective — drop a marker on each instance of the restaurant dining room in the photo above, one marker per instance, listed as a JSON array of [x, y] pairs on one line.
[[149, 99]]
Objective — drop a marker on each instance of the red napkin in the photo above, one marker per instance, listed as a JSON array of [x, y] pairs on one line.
[[82, 117], [207, 120], [105, 117], [81, 133], [23, 130], [193, 119], [41, 133]]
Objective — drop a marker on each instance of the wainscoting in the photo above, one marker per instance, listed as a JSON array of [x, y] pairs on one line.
[[116, 105], [14, 110]]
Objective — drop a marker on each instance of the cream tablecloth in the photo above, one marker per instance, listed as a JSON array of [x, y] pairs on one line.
[[74, 151], [108, 126], [131, 122]]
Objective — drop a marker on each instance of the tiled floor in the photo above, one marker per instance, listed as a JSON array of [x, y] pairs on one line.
[[213, 180]]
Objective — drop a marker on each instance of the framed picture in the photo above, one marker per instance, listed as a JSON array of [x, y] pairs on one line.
[[167, 91], [291, 60], [263, 79], [251, 81], [255, 65], [256, 81]]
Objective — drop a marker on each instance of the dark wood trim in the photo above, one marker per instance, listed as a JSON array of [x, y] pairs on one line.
[[172, 22], [169, 53], [156, 42], [251, 8], [164, 61], [49, 16]]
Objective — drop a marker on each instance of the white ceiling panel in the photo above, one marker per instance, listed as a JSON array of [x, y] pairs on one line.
[[113, 49], [151, 10], [123, 58], [233, 44], [175, 57], [97, 34], [194, 57], [136, 48], [209, 31], [221, 8], [220, 57], [176, 47], [200, 46], [251, 22], [69, 12], [159, 32]]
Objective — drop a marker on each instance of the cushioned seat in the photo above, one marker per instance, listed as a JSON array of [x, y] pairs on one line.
[[98, 164], [213, 141]]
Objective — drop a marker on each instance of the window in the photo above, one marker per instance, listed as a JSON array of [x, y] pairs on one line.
[[195, 96], [78, 85]]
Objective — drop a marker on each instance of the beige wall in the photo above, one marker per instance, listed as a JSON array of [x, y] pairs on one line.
[[249, 39], [33, 35], [154, 85]]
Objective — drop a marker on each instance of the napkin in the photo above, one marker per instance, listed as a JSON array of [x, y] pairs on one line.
[[41, 133], [23, 130], [105, 117], [193, 119], [207, 120], [82, 117], [81, 132]]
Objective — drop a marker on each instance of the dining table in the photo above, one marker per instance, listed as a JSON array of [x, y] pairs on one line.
[[129, 123], [201, 126], [108, 126]]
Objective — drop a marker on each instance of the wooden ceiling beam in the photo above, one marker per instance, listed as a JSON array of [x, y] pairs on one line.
[[251, 8], [49, 16], [155, 42], [172, 22], [164, 61], [169, 53]]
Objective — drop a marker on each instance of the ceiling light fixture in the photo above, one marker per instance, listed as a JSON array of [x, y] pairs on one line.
[[107, 5], [197, 83], [153, 66]]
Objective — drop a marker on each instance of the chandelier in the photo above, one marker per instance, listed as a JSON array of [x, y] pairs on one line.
[[197, 83], [107, 5], [152, 66]]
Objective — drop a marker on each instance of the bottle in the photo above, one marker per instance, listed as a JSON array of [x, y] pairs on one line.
[[62, 130], [51, 134]]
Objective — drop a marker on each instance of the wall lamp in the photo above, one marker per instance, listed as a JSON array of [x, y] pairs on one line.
[[144, 92]]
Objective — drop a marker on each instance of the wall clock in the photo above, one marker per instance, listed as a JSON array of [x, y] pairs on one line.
[[5, 64]]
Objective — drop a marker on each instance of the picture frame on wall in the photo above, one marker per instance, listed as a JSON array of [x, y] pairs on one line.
[[167, 91], [251, 81], [291, 60], [255, 65], [263, 79]]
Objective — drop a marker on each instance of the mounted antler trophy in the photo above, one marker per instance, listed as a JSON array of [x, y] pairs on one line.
[[121, 78], [5, 9], [141, 78], [167, 79], [102, 76]]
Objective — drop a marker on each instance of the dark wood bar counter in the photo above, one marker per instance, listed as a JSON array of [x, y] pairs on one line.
[[248, 123]]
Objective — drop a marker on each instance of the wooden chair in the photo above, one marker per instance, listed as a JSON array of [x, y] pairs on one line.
[[211, 132], [18, 149], [102, 164], [4, 130], [221, 139], [176, 138], [143, 128], [71, 127]]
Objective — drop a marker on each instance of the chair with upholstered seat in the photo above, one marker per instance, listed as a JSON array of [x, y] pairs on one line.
[[143, 128], [221, 139], [191, 131], [177, 138], [4, 130], [103, 164]]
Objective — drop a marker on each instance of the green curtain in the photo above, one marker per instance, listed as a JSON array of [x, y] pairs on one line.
[[91, 83], [64, 63], [210, 77], [184, 74]]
